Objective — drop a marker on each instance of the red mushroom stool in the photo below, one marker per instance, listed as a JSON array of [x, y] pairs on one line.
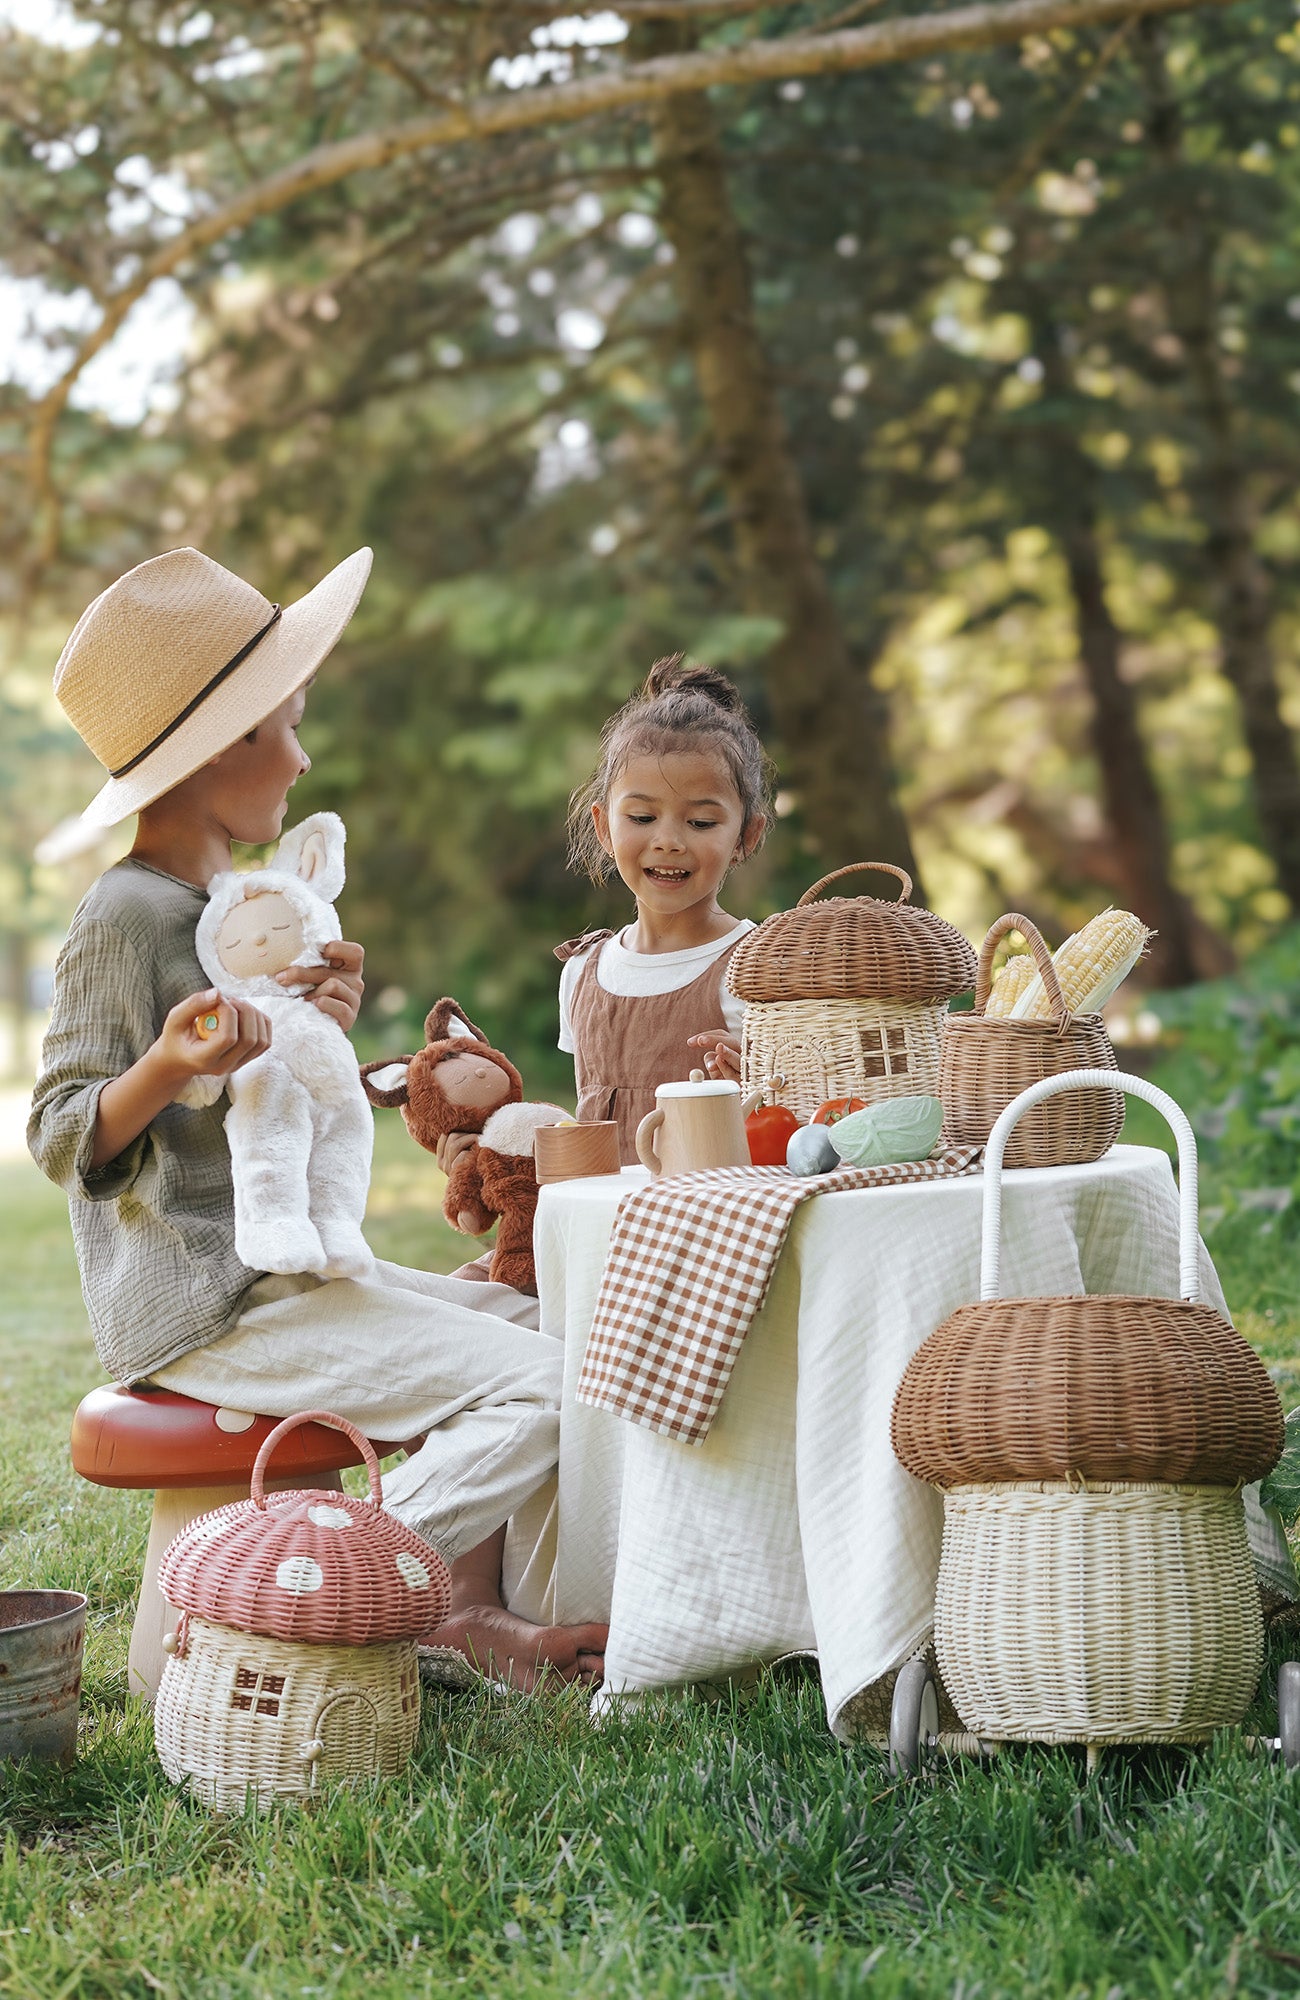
[[194, 1457]]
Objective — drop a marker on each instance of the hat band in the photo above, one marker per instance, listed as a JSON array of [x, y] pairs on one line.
[[200, 697]]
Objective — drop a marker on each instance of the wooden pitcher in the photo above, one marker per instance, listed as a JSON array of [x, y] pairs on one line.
[[693, 1125]]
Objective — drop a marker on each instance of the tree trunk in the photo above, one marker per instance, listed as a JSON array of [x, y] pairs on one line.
[[833, 723], [1243, 597], [1132, 800]]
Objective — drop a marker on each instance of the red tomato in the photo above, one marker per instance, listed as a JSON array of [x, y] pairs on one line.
[[835, 1109], [768, 1131]]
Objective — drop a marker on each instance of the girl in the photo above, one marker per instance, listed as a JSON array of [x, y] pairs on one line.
[[682, 792]]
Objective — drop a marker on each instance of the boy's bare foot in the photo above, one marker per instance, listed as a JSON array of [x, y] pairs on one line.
[[508, 1648]]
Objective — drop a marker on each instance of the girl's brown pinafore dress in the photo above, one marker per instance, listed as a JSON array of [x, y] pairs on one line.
[[626, 1044]]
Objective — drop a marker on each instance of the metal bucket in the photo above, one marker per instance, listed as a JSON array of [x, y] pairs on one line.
[[41, 1633]]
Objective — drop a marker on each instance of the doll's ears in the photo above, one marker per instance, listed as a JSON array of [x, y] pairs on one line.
[[385, 1081], [447, 1021], [313, 851]]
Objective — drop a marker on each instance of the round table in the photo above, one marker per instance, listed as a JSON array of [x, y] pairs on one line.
[[792, 1527]]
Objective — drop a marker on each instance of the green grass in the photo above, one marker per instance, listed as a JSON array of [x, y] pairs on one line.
[[728, 1849]]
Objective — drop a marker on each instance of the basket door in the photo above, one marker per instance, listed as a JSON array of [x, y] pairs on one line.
[[348, 1727]]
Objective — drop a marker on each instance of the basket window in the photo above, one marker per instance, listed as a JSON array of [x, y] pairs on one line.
[[257, 1693], [884, 1051]]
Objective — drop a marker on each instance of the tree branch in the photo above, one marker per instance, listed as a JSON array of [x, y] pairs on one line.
[[985, 25]]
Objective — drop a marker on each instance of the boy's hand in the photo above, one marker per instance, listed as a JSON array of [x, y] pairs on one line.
[[337, 985], [186, 1048], [723, 1059]]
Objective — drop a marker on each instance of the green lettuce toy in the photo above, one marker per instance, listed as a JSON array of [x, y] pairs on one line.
[[886, 1134]]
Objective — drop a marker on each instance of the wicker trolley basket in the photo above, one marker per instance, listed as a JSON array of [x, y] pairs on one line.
[[1108, 1613], [987, 1061], [1074, 1609], [846, 998], [294, 1662]]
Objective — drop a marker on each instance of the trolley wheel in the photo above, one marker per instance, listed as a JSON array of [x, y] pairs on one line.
[[913, 1718], [1288, 1712]]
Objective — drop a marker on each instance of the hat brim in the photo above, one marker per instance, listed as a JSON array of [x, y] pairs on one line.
[[276, 668]]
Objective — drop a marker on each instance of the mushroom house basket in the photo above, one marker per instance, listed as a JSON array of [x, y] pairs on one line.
[[1095, 1584], [293, 1664], [847, 997]]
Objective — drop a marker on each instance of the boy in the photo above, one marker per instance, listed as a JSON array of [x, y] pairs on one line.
[[189, 687]]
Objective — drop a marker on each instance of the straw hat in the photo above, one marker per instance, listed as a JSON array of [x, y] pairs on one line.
[[179, 658]]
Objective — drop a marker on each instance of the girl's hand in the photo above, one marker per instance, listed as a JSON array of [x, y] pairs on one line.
[[337, 986], [185, 1049], [723, 1057], [450, 1147]]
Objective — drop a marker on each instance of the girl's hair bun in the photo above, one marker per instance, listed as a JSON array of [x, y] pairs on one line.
[[670, 675]]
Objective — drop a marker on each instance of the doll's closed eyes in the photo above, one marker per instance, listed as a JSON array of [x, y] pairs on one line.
[[261, 935]]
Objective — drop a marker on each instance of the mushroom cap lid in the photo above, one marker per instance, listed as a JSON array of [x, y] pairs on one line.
[[317, 1566], [853, 948]]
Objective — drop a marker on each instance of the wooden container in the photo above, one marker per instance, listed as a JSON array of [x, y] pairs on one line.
[[985, 1063], [693, 1126], [573, 1152], [847, 998]]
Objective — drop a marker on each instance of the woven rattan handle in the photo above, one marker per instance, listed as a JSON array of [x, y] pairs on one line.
[[1189, 1277], [282, 1430], [1033, 937], [855, 868]]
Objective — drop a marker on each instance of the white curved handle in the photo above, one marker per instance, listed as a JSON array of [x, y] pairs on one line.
[[1189, 1282]]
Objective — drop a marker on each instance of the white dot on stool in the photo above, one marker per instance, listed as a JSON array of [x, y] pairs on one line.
[[234, 1421]]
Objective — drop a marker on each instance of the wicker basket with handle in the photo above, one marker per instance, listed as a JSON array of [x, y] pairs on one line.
[[987, 1061], [1077, 1610], [1094, 1388], [846, 998], [294, 1662]]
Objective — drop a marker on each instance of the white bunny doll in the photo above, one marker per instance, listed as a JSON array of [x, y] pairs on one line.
[[299, 1126]]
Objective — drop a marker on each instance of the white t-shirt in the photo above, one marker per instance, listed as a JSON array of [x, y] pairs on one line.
[[634, 973]]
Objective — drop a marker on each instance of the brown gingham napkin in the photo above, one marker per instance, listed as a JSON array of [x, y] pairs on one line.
[[690, 1260]]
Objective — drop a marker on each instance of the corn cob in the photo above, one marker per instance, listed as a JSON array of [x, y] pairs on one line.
[[1090, 966], [1008, 985]]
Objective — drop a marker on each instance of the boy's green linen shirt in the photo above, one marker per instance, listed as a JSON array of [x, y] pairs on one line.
[[155, 1228]]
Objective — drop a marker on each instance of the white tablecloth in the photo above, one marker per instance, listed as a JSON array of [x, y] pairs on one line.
[[792, 1526]]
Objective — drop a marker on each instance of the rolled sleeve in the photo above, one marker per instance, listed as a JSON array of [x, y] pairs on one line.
[[102, 1021]]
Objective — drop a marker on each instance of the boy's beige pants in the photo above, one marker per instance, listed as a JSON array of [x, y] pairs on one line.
[[401, 1353]]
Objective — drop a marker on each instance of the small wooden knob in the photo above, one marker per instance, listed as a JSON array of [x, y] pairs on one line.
[[697, 1076]]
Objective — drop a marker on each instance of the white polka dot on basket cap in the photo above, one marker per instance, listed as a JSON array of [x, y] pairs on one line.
[[319, 1567], [299, 1573], [411, 1570]]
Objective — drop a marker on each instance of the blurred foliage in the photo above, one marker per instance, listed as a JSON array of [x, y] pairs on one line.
[[473, 361], [1233, 1062]]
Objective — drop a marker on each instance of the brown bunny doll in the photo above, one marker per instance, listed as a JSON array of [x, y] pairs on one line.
[[457, 1083]]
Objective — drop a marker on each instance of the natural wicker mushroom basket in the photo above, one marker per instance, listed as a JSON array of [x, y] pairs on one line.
[[846, 998], [986, 1062], [1072, 1607]]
